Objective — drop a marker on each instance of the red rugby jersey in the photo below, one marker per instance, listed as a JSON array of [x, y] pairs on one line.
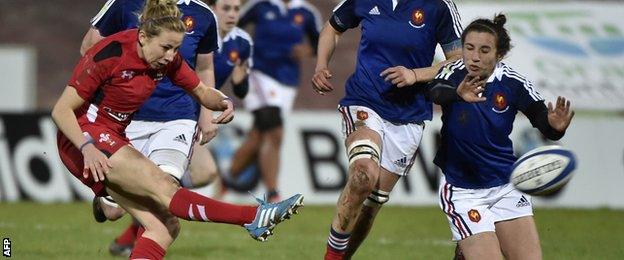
[[114, 81]]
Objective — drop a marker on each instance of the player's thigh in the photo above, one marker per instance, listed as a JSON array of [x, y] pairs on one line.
[[400, 145], [387, 180], [519, 238], [203, 166], [359, 124], [159, 224], [481, 246], [136, 175]]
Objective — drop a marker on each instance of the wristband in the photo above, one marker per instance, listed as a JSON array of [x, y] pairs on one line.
[[415, 76], [90, 141]]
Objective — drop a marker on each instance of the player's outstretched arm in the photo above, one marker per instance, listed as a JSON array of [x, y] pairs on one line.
[[215, 100], [327, 44]]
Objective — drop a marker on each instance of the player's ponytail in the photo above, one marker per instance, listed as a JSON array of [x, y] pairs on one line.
[[495, 27], [160, 14]]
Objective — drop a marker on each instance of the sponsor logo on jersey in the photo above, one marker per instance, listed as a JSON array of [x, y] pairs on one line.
[[523, 202], [190, 24], [127, 74], [474, 215], [374, 11], [361, 115], [298, 19], [500, 103], [119, 116], [269, 16], [418, 19]]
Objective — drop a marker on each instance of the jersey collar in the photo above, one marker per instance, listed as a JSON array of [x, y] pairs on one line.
[[497, 74], [187, 2]]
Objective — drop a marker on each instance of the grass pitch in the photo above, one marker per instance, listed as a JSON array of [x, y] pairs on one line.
[[67, 231]]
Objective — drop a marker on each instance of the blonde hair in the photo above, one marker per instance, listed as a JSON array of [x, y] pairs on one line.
[[160, 14]]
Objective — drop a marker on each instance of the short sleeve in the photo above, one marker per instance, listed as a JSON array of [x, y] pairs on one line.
[[89, 75], [449, 27], [182, 75], [209, 42], [344, 16]]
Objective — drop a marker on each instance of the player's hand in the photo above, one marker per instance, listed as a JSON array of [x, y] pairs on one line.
[[560, 116], [95, 162], [228, 112], [320, 81], [471, 89], [301, 51], [240, 71], [207, 129], [399, 76]]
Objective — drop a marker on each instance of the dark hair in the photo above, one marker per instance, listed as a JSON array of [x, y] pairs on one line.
[[160, 14], [495, 27]]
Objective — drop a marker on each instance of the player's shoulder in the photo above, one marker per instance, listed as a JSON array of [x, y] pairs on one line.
[[112, 47], [510, 76], [198, 6], [452, 70], [240, 35]]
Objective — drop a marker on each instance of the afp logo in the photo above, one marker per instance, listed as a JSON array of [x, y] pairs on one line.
[[6, 247]]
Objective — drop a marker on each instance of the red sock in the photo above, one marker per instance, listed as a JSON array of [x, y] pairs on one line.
[[192, 206], [129, 235], [146, 248], [333, 254]]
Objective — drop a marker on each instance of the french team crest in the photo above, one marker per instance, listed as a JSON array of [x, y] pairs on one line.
[[233, 57], [298, 19], [189, 23], [418, 19], [500, 103], [474, 215], [361, 115]]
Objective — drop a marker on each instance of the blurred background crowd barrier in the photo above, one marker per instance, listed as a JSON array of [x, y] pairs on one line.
[[569, 48]]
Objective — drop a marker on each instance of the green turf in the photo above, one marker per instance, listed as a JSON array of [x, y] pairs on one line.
[[67, 231]]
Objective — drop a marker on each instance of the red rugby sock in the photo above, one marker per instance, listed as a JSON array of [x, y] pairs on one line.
[[192, 206]]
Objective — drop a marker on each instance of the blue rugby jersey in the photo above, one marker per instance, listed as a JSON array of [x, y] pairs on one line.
[[168, 102], [395, 33], [476, 151], [277, 29], [237, 44]]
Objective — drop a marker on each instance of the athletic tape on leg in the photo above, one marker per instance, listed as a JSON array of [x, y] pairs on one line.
[[363, 149], [377, 198]]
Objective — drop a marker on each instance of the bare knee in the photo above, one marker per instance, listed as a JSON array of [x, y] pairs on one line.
[[163, 188], [363, 176]]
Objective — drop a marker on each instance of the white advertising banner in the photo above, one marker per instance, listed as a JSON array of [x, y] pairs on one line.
[[572, 49], [314, 161]]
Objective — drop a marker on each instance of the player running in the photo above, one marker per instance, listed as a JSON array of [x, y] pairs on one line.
[[384, 108]]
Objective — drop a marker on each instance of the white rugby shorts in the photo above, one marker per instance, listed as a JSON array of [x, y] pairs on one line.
[[147, 136], [265, 91], [473, 211], [399, 142]]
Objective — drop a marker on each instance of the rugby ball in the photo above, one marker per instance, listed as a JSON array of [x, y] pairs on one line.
[[543, 170]]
